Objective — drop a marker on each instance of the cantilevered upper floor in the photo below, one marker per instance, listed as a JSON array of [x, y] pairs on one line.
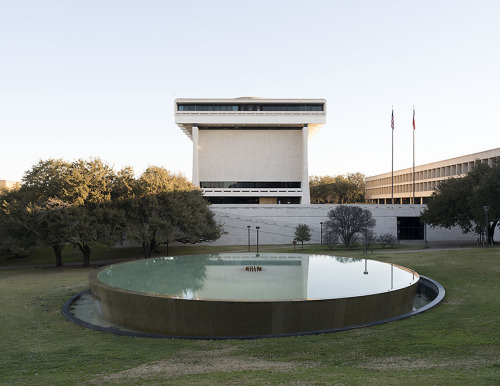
[[249, 112]]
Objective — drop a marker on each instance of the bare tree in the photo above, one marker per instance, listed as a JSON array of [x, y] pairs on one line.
[[348, 221], [387, 239], [368, 238], [330, 239]]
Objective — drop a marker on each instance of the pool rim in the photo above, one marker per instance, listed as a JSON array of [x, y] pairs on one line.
[[424, 283]]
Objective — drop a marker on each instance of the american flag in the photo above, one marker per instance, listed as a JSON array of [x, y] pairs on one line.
[[392, 119]]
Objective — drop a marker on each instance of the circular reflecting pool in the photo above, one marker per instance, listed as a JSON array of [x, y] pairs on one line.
[[248, 295], [242, 277]]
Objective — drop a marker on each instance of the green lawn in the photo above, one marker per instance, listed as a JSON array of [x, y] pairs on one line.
[[457, 342]]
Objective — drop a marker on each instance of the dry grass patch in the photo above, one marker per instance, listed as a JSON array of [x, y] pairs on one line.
[[193, 362]]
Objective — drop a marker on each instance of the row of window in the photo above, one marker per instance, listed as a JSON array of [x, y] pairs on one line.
[[454, 170], [249, 107], [249, 185]]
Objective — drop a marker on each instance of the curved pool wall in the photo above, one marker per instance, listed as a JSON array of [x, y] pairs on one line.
[[217, 318]]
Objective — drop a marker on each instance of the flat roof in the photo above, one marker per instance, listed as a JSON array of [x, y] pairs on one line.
[[240, 119], [250, 100], [446, 162]]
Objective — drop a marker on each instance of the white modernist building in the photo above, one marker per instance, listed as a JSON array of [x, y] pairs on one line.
[[251, 150]]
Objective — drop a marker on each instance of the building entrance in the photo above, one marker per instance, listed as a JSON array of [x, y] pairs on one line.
[[410, 228]]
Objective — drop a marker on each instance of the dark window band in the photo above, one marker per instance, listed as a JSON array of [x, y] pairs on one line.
[[249, 107]]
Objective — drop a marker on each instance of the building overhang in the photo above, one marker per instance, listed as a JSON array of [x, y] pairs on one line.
[[244, 119]]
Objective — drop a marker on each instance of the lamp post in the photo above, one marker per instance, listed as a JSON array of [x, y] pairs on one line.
[[248, 228], [257, 239], [486, 209], [321, 224]]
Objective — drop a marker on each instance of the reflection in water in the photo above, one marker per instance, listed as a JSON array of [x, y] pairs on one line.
[[175, 276], [280, 276]]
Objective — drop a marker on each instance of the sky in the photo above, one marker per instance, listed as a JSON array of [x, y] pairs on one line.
[[98, 78]]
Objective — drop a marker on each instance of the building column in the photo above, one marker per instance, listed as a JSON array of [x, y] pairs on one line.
[[306, 197], [196, 178]]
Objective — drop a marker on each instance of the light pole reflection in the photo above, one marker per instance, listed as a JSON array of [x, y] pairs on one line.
[[257, 239]]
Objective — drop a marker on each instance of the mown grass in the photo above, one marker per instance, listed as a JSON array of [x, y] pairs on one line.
[[458, 342]]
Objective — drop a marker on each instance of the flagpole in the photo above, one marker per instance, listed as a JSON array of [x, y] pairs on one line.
[[413, 154], [392, 160]]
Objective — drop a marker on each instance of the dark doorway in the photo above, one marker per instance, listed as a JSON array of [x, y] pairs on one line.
[[410, 228]]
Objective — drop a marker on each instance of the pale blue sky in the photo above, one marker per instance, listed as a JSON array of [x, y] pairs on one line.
[[99, 78]]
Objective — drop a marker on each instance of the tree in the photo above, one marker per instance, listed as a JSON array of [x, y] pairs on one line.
[[302, 233], [49, 178], [348, 221], [488, 194], [337, 190], [15, 234], [331, 239], [322, 190], [123, 184], [195, 221], [368, 238], [150, 221], [357, 193], [460, 201], [387, 239], [71, 202], [95, 224], [166, 207], [85, 202], [156, 179], [50, 223]]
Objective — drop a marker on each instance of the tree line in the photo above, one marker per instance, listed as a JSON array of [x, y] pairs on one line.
[[341, 189], [86, 202]]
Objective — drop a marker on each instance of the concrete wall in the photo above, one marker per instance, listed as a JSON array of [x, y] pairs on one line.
[[277, 222], [250, 155]]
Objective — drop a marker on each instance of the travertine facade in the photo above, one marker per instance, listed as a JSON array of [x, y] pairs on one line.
[[251, 150]]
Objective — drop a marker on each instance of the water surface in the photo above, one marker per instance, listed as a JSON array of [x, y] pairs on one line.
[[263, 277]]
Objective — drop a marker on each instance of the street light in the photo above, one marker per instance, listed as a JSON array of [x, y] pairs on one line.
[[248, 228], [321, 223], [257, 239], [486, 209]]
